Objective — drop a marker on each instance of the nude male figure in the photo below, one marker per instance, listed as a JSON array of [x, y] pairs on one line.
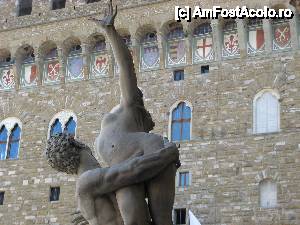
[[124, 132], [95, 186]]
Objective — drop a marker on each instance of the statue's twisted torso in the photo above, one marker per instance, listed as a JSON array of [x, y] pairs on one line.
[[123, 134]]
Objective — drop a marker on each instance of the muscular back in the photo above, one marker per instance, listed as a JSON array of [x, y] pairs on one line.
[[123, 134]]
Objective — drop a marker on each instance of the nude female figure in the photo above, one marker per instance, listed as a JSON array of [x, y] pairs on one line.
[[124, 132], [95, 186]]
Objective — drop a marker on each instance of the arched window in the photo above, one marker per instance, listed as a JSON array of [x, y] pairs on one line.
[[3, 142], [57, 4], [51, 67], [176, 54], [256, 40], [64, 121], [70, 127], [281, 34], [230, 40], [74, 61], [7, 78], [23, 7], [181, 123], [266, 112], [99, 57], [10, 133], [29, 68], [149, 52], [268, 193], [203, 43], [14, 143], [56, 128]]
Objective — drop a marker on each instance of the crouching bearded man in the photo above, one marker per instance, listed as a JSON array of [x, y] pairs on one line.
[[95, 186]]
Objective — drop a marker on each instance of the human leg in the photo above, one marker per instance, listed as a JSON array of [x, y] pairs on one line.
[[161, 188], [132, 205], [161, 192]]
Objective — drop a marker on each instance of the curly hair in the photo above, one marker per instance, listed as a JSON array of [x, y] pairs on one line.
[[63, 153]]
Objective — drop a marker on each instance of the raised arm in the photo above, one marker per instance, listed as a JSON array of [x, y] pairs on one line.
[[128, 81]]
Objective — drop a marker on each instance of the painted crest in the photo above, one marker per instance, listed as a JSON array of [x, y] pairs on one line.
[[256, 39], [7, 78], [75, 68], [176, 52], [282, 35], [53, 71], [30, 74], [203, 48], [100, 65], [231, 43], [150, 57]]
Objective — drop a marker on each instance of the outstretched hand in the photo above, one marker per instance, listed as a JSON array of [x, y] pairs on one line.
[[109, 17]]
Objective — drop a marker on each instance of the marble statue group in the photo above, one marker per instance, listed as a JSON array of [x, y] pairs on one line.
[[138, 187]]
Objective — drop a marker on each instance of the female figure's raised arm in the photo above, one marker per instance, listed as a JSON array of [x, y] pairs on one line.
[[128, 81]]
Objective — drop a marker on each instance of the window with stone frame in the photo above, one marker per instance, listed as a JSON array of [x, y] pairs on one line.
[[184, 179], [268, 193], [149, 52], [29, 76], [64, 121], [92, 1], [230, 39], [75, 63], [266, 112], [54, 194], [70, 127], [51, 67], [203, 43], [256, 39], [127, 40], [99, 57], [175, 47], [178, 75], [10, 134], [205, 69], [3, 142], [23, 7], [57, 4], [14, 143], [180, 216], [7, 77], [56, 128], [181, 123], [281, 34], [2, 197]]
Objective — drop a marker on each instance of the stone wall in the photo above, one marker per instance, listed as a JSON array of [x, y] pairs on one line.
[[227, 161]]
